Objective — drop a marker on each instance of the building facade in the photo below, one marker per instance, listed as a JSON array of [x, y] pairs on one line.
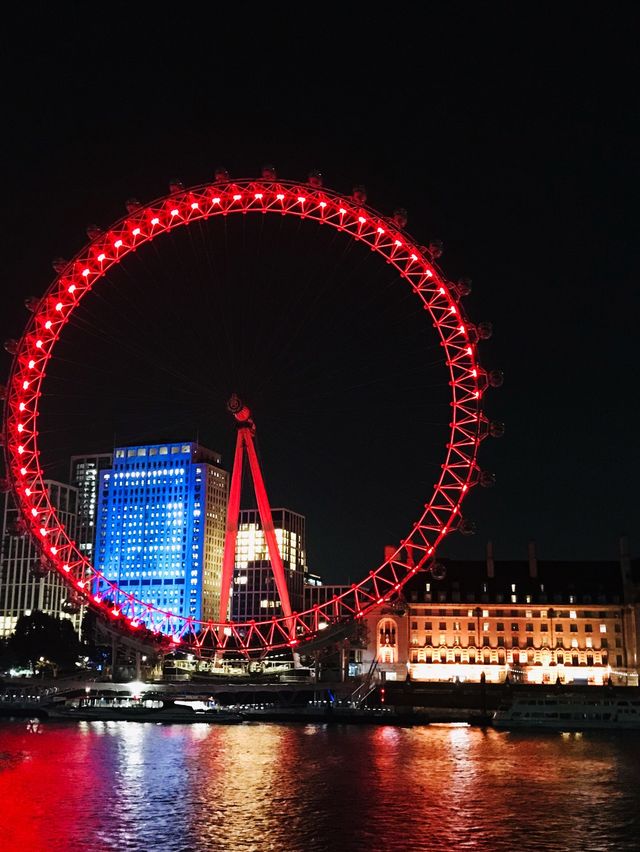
[[531, 621], [84, 475], [254, 594], [161, 526], [27, 583]]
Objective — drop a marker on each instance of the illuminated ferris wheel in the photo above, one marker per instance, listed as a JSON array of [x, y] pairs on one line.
[[308, 202]]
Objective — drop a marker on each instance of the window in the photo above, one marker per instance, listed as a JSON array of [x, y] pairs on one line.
[[485, 613], [442, 625], [471, 626], [573, 614], [456, 625], [485, 626], [559, 628], [414, 625], [515, 641], [603, 628], [500, 626], [588, 628], [544, 628], [427, 625], [573, 628], [529, 613], [529, 627]]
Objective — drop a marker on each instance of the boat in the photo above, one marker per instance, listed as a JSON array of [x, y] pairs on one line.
[[569, 712], [325, 713], [167, 711]]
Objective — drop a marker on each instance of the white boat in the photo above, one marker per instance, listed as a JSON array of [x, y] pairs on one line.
[[163, 711], [570, 712]]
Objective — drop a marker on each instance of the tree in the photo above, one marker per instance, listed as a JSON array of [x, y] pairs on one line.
[[41, 636]]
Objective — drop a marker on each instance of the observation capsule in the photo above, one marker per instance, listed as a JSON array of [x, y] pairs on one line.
[[359, 194], [32, 304], [436, 247], [400, 217], [438, 571], [221, 174], [495, 378], [487, 479], [315, 179], [59, 264], [464, 286], [485, 330], [496, 429], [11, 346], [269, 173], [94, 231], [467, 527], [176, 185], [132, 205]]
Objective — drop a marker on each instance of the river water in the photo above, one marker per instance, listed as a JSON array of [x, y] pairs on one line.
[[134, 786]]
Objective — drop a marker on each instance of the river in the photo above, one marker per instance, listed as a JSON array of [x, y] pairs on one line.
[[136, 786]]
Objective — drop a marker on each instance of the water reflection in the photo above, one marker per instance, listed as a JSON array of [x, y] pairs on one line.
[[122, 785]]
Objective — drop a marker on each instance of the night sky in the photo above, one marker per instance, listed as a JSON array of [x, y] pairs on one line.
[[511, 135]]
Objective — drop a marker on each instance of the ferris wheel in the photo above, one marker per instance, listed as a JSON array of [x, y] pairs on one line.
[[355, 220]]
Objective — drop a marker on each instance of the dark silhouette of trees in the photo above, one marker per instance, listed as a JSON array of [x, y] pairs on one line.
[[40, 639]]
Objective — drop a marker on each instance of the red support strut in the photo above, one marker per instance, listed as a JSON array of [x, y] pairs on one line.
[[246, 431]]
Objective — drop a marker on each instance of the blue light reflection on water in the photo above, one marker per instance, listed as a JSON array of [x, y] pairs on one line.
[[131, 786]]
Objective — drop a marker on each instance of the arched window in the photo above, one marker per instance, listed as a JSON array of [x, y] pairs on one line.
[[387, 640]]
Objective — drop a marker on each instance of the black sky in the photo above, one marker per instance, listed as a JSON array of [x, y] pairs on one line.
[[509, 132]]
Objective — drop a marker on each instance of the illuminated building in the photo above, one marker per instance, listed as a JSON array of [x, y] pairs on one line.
[[532, 621], [317, 593], [26, 582], [254, 594], [84, 474], [161, 526]]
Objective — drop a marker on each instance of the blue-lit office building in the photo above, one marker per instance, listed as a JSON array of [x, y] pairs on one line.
[[161, 524]]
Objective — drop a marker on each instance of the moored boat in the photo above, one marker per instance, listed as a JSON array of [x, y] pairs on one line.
[[570, 712], [165, 711]]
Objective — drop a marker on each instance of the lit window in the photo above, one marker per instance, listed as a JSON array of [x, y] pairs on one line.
[[603, 628], [572, 614]]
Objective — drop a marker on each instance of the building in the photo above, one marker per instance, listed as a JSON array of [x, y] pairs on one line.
[[161, 526], [316, 593], [84, 474], [532, 621], [27, 583], [254, 592]]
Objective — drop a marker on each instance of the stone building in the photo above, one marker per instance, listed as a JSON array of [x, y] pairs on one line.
[[532, 621]]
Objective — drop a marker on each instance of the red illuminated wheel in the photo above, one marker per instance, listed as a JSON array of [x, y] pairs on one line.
[[357, 221]]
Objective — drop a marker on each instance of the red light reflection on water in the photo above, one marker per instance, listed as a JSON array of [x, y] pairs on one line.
[[28, 822]]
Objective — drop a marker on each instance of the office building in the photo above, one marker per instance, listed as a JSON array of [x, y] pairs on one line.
[[161, 526], [254, 592], [84, 474], [28, 583]]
